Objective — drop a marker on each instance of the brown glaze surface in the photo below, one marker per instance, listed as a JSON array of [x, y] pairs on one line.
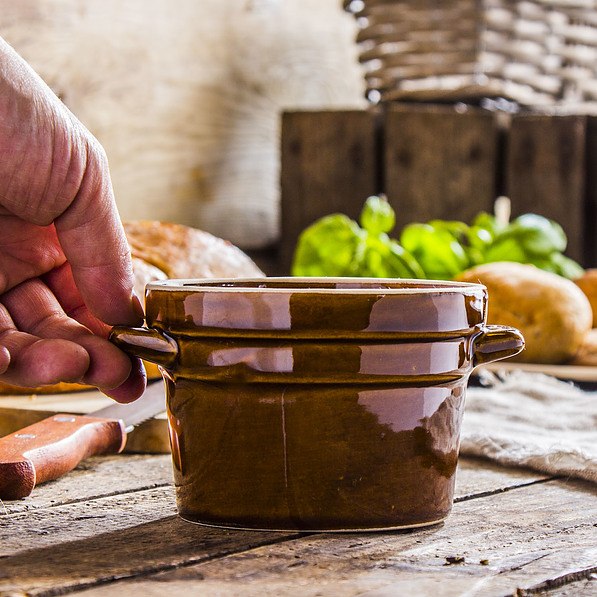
[[316, 404], [296, 308], [314, 458], [258, 360]]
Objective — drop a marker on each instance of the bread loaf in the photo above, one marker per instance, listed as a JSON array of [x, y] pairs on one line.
[[183, 252], [162, 250]]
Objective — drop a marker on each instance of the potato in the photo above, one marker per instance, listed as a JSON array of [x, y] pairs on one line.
[[552, 313], [588, 284]]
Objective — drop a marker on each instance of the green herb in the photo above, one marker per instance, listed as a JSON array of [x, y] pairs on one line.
[[337, 246], [439, 249]]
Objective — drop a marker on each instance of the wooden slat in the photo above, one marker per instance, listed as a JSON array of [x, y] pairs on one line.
[[545, 171], [99, 540], [590, 216], [328, 164], [94, 478], [501, 545], [439, 162], [81, 520], [574, 584], [108, 538], [477, 477]]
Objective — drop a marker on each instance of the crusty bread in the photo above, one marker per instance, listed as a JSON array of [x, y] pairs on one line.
[[588, 284], [161, 250], [552, 313], [7, 389], [183, 252], [144, 273]]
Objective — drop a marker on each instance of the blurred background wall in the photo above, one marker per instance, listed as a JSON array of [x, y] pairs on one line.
[[186, 96]]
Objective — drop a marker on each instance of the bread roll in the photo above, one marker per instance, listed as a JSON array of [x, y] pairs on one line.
[[159, 251], [552, 312]]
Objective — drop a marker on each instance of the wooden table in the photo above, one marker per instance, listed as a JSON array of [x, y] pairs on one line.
[[110, 527]]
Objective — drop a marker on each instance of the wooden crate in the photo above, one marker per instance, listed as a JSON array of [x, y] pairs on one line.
[[439, 161]]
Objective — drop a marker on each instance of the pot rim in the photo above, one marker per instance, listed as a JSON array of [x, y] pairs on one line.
[[396, 286]]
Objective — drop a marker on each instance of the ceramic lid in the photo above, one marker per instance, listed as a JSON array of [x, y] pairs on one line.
[[316, 307]]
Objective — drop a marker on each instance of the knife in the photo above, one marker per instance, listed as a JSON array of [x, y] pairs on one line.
[[54, 446]]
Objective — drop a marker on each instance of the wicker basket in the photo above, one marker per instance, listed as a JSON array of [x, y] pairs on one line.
[[533, 52]]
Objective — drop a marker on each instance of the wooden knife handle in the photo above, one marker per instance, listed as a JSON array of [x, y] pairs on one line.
[[52, 447]]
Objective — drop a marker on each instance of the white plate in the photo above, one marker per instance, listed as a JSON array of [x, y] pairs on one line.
[[568, 372]]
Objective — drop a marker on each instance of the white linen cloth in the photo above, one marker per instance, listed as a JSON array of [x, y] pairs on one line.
[[532, 420]]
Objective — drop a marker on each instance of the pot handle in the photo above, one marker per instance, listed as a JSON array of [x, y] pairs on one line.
[[496, 342], [147, 343]]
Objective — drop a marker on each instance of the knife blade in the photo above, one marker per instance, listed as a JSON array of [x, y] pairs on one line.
[[54, 446]]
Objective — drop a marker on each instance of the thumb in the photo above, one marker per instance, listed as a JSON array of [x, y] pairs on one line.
[[93, 240]]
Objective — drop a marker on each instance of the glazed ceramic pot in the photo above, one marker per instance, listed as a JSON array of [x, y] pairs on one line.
[[321, 404]]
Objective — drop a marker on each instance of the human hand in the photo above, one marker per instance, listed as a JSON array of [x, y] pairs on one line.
[[65, 267]]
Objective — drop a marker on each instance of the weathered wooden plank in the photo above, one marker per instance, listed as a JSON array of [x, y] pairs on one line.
[[439, 162], [107, 539], [590, 215], [81, 520], [328, 164], [94, 538], [581, 583], [105, 483], [510, 542], [582, 588], [545, 171], [477, 477], [95, 478]]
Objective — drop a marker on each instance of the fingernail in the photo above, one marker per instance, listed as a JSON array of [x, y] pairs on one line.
[[137, 306]]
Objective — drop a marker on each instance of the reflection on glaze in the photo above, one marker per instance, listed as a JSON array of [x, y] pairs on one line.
[[246, 313], [258, 359], [406, 413], [413, 359]]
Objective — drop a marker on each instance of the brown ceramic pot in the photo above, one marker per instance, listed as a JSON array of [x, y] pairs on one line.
[[316, 404]]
